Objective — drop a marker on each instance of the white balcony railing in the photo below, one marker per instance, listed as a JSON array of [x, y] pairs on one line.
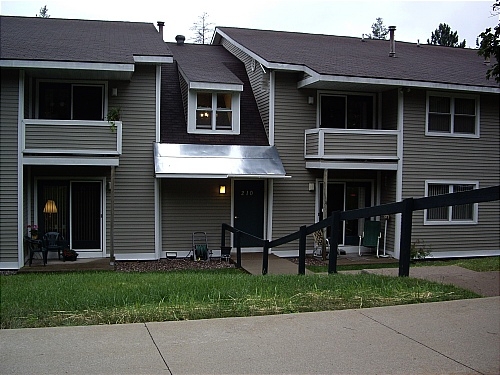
[[351, 144], [56, 137]]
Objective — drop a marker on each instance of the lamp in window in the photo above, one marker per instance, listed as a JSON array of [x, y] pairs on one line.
[[222, 189], [49, 209]]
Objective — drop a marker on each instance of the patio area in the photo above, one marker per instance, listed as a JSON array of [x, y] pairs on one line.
[[251, 262]]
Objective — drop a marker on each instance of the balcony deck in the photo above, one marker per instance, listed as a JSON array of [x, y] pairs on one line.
[[71, 140], [351, 148]]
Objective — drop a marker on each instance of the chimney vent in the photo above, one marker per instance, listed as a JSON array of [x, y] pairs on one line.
[[392, 51], [180, 39], [160, 27]]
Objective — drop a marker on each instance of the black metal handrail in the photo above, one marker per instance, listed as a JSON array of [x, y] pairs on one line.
[[406, 208]]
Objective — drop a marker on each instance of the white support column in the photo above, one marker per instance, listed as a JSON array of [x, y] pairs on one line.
[[399, 173], [20, 173], [157, 181]]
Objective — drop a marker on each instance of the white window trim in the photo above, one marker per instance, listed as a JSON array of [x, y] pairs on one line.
[[235, 109], [450, 221], [103, 84], [452, 112]]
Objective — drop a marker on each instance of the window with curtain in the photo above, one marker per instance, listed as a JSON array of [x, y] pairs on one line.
[[215, 112], [464, 213], [452, 115]]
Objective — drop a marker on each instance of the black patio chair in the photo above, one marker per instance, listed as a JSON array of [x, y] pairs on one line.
[[54, 241]]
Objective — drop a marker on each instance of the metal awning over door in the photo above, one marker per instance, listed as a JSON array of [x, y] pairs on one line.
[[216, 161]]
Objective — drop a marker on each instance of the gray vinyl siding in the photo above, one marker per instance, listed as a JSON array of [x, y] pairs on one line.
[[361, 144], [71, 137], [134, 185], [452, 158], [390, 110], [293, 204], [190, 205], [388, 195], [9, 100], [258, 80]]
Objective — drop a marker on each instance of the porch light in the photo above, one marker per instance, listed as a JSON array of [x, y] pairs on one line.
[[222, 189], [50, 207]]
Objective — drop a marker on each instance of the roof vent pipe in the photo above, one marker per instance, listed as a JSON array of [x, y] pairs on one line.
[[180, 39], [160, 27], [392, 51]]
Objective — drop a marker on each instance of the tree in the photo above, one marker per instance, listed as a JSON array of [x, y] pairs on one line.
[[490, 46], [379, 31], [443, 36], [202, 29], [43, 12]]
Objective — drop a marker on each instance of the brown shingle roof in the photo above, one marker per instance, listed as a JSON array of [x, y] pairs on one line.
[[351, 57], [205, 63], [69, 40]]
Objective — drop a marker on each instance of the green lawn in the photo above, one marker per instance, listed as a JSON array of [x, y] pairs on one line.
[[84, 298], [482, 264]]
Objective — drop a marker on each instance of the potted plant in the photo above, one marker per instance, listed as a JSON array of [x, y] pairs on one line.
[[113, 115], [34, 231]]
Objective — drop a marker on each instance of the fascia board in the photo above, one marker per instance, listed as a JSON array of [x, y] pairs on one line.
[[315, 78], [27, 64], [215, 86], [153, 59]]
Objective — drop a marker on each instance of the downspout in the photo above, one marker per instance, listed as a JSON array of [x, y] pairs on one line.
[[399, 173], [20, 173]]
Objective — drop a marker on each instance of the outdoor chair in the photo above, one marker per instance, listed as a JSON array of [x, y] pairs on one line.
[[53, 241], [371, 236], [35, 246]]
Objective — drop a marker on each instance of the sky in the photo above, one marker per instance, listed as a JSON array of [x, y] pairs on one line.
[[414, 20]]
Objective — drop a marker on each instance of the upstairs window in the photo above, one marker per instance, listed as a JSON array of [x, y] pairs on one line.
[[70, 101], [464, 213], [215, 112], [452, 115], [347, 111]]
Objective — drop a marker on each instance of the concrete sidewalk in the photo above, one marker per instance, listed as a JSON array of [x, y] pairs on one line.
[[457, 337]]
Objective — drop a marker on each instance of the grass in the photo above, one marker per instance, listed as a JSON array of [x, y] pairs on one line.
[[482, 264], [85, 298]]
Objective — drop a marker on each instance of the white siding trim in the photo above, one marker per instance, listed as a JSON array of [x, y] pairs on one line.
[[272, 86], [157, 183], [71, 161], [20, 174], [153, 59], [10, 265], [67, 65], [399, 174], [351, 165]]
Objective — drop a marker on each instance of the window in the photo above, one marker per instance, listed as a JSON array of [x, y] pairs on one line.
[[347, 111], [69, 101], [216, 112], [464, 213], [451, 115]]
